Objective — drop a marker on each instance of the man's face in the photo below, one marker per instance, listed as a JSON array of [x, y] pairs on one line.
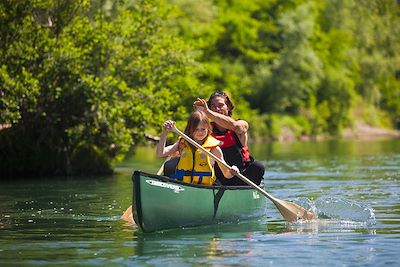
[[218, 105]]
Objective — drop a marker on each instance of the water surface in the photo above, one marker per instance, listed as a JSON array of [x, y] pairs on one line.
[[353, 186]]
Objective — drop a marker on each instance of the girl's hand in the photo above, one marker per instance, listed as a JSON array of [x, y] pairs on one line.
[[234, 170], [168, 125]]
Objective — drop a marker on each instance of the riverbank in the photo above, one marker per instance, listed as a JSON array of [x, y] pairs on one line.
[[359, 131], [364, 131]]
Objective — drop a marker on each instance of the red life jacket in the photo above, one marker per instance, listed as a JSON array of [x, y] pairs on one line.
[[234, 152]]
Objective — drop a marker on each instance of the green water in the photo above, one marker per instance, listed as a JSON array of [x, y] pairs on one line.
[[353, 186]]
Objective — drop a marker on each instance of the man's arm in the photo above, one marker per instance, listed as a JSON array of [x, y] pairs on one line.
[[240, 127]]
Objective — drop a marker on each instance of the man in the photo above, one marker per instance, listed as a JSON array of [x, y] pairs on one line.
[[233, 136]]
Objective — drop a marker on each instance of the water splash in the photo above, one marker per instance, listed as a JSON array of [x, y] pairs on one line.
[[341, 209], [334, 214]]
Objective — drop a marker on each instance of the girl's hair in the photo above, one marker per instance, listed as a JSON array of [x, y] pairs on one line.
[[225, 96], [195, 119]]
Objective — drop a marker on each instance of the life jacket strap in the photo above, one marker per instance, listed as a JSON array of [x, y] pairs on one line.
[[179, 174]]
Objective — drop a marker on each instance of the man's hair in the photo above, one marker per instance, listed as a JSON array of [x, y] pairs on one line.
[[224, 95]]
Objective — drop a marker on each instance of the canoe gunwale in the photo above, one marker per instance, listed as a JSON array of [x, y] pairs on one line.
[[167, 179]]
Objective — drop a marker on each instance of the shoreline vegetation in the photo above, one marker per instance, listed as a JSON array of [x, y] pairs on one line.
[[366, 132], [360, 131], [82, 83]]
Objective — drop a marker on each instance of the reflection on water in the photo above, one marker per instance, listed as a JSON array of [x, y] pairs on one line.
[[248, 243], [353, 187], [331, 226]]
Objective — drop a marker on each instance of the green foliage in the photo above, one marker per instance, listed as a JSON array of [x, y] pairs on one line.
[[370, 114], [297, 63], [307, 59], [89, 159], [287, 127], [102, 79], [89, 79]]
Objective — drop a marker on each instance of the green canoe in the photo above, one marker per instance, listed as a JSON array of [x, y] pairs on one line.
[[162, 203]]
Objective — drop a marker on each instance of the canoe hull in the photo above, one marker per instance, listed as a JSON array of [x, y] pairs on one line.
[[162, 203]]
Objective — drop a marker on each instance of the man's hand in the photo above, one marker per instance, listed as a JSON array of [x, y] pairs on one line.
[[200, 104]]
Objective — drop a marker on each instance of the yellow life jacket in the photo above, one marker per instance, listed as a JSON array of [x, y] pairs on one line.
[[195, 166]]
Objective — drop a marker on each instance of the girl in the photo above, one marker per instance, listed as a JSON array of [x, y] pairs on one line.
[[194, 166]]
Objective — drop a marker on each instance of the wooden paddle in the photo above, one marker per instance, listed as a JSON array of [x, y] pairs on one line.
[[289, 210], [128, 216]]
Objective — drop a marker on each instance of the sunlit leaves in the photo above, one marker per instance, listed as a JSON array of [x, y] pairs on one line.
[[89, 83], [100, 75]]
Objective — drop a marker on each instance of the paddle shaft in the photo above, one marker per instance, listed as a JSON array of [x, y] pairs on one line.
[[241, 176], [161, 170]]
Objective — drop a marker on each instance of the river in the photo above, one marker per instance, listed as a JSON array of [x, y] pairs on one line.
[[353, 186]]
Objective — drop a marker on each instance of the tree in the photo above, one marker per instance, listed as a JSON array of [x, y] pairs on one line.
[[82, 86]]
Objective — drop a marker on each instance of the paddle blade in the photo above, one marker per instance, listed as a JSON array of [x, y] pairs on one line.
[[293, 212], [128, 216]]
